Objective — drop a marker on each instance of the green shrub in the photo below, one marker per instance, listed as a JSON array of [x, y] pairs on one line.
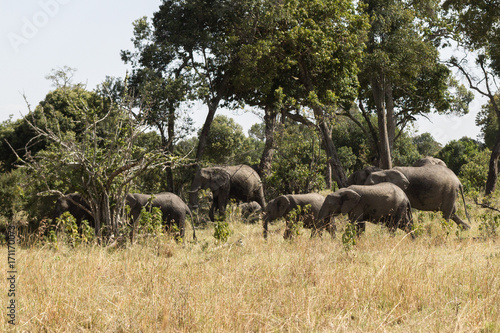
[[221, 230]]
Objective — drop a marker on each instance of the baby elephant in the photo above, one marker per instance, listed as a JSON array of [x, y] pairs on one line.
[[284, 204], [381, 203], [250, 211]]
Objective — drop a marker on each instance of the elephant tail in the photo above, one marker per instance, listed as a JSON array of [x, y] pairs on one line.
[[265, 223], [192, 222], [465, 205]]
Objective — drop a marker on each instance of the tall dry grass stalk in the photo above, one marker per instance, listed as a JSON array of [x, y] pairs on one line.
[[441, 282]]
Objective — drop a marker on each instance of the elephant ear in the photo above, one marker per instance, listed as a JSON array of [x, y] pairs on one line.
[[282, 204], [398, 178], [349, 200]]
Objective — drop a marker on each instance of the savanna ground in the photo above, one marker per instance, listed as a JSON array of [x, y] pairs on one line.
[[444, 281]]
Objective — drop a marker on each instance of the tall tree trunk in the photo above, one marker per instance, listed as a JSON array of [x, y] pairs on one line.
[[491, 182], [202, 143], [328, 176], [383, 142], [332, 156], [170, 148], [267, 155], [391, 118]]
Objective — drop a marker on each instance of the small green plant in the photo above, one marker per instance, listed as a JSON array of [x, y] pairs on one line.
[[296, 220], [150, 221], [52, 239], [417, 229], [66, 225], [174, 229], [349, 237], [221, 230], [447, 226], [87, 232]]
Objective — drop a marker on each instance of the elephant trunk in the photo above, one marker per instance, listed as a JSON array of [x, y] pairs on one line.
[[193, 193], [193, 199]]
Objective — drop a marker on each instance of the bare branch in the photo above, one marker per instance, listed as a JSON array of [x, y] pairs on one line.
[[484, 205]]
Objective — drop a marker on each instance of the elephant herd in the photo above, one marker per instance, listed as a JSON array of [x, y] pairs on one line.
[[373, 195]]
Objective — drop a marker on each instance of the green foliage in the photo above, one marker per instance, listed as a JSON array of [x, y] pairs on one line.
[[227, 144], [222, 230], [476, 25], [457, 153], [298, 163], [426, 144], [405, 152], [489, 225], [100, 160], [488, 121], [353, 146], [295, 220], [150, 221], [67, 230], [11, 193], [349, 237], [474, 172]]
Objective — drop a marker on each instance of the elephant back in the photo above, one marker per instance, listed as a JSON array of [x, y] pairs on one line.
[[314, 200], [431, 186], [245, 182]]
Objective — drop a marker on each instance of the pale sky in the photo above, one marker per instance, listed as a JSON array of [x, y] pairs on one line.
[[40, 35]]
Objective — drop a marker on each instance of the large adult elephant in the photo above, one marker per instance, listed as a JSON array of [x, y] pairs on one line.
[[173, 209], [239, 182], [429, 188], [382, 203], [76, 205], [284, 204]]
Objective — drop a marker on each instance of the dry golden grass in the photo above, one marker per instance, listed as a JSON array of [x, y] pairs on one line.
[[440, 282]]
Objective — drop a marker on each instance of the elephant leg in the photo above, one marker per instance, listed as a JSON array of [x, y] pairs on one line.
[[181, 223], [211, 212], [406, 223], [459, 221], [449, 212], [360, 226]]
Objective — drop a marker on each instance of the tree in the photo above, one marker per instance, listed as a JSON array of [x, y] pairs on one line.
[[226, 142], [317, 45], [426, 144], [100, 163], [198, 35], [477, 26], [401, 62], [60, 110], [488, 122], [299, 161], [160, 88], [456, 153]]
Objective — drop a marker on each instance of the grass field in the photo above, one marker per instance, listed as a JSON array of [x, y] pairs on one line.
[[444, 281]]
